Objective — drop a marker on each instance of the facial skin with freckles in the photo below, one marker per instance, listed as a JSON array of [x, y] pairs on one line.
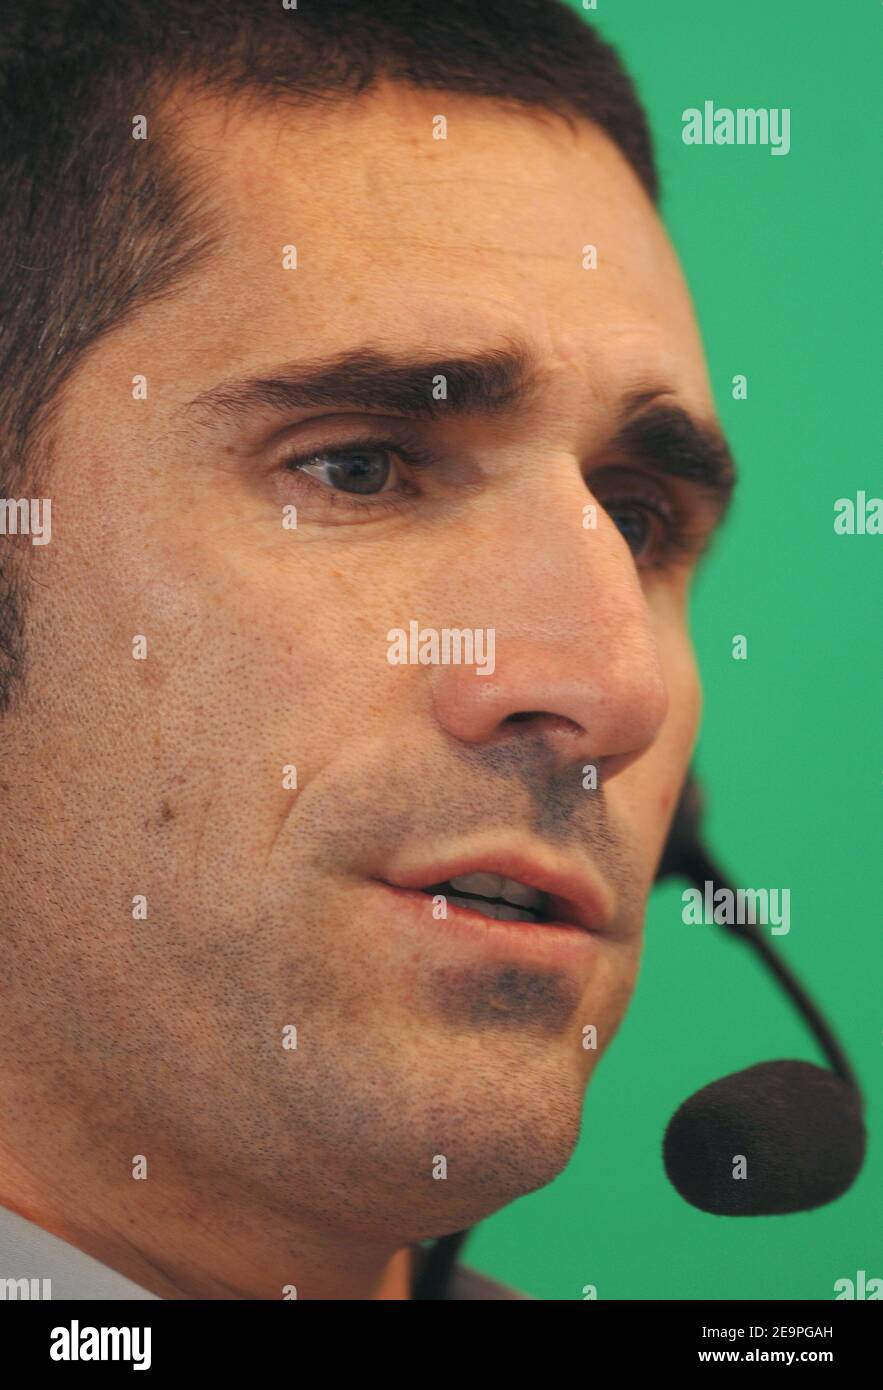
[[267, 647]]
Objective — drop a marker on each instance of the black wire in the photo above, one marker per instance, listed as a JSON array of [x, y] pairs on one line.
[[699, 868], [685, 856], [435, 1275]]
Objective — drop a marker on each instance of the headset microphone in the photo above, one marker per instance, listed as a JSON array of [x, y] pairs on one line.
[[798, 1128]]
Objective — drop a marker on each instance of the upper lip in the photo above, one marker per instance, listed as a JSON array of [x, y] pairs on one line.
[[576, 895]]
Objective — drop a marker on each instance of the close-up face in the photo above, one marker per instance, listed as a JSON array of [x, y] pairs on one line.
[[235, 785]]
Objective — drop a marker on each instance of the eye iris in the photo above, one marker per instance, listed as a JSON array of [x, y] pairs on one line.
[[360, 470], [634, 526]]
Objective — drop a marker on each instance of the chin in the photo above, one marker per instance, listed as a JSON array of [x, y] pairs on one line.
[[496, 1145]]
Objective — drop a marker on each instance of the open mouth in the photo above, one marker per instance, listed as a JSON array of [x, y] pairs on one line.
[[506, 885], [504, 899]]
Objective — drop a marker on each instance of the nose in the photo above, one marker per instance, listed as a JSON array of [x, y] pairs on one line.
[[575, 654]]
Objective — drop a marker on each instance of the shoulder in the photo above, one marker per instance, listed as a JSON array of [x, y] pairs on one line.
[[469, 1284]]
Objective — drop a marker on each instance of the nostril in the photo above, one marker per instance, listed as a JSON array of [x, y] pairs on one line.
[[550, 723]]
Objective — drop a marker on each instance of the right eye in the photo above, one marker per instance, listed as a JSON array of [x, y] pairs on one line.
[[355, 468]]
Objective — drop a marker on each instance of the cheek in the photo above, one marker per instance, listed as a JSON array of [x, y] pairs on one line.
[[669, 759], [686, 709], [686, 701], [681, 675]]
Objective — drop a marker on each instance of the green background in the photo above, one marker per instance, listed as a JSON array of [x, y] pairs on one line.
[[783, 256]]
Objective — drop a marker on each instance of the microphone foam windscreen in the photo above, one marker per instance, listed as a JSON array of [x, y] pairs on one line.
[[777, 1137]]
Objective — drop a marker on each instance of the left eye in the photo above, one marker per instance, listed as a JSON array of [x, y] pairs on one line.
[[354, 469], [635, 523]]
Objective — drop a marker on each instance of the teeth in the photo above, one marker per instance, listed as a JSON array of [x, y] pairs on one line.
[[501, 912], [514, 914], [522, 895], [489, 885], [521, 903], [495, 886]]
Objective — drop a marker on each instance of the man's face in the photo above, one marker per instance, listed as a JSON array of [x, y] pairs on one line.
[[267, 647]]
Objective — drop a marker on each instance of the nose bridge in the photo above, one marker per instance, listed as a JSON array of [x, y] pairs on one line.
[[571, 633]]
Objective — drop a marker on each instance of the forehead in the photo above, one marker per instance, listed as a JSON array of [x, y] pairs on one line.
[[452, 244]]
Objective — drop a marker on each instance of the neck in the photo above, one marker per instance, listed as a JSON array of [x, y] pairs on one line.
[[181, 1246]]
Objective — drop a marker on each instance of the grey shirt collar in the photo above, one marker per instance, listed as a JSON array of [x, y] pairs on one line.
[[30, 1254]]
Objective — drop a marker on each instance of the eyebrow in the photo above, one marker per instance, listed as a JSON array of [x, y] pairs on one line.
[[662, 436], [374, 378]]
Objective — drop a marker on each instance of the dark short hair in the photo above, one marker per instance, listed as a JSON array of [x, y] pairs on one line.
[[94, 223]]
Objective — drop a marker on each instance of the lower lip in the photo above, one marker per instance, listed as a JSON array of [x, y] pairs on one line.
[[539, 943]]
